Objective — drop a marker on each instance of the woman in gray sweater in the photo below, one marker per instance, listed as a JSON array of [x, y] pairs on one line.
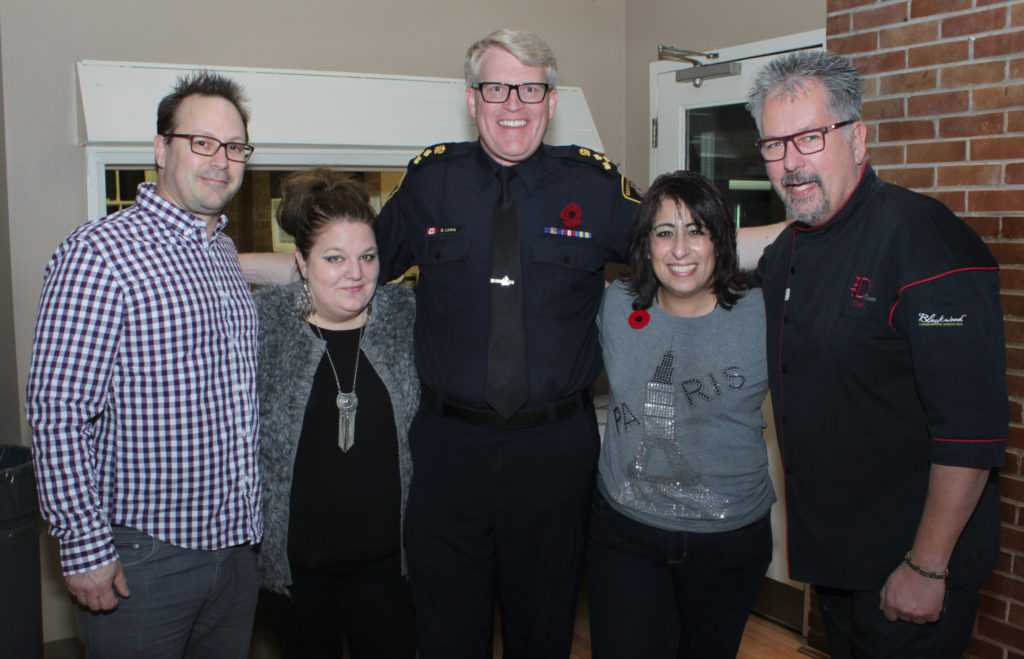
[[679, 531], [338, 390]]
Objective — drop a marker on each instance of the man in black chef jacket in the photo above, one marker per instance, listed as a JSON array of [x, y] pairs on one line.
[[887, 369]]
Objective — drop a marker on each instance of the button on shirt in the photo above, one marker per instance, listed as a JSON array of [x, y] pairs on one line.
[[440, 219], [142, 389]]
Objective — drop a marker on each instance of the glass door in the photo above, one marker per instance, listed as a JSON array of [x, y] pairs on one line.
[[720, 145]]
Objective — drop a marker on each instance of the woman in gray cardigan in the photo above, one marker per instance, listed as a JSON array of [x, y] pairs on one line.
[[338, 391]]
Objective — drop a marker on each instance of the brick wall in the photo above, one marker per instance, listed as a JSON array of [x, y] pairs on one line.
[[944, 104]]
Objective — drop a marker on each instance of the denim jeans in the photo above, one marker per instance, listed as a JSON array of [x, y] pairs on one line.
[[183, 603], [659, 594]]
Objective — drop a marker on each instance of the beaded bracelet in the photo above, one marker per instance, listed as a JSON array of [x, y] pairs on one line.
[[931, 574]]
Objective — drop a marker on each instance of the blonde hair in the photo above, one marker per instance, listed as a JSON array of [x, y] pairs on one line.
[[526, 46]]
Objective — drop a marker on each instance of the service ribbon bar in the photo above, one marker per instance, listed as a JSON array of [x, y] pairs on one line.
[[555, 231]]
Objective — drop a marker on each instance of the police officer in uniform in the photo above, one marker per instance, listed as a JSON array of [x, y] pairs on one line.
[[511, 237]]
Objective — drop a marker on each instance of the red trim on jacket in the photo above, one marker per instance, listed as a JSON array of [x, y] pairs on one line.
[[892, 311]]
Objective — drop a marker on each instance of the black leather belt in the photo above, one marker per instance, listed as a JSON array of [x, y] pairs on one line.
[[524, 418]]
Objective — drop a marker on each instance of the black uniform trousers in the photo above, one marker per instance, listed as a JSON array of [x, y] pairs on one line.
[[857, 628], [498, 515]]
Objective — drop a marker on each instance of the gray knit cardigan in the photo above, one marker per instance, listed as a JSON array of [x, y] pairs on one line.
[[289, 354]]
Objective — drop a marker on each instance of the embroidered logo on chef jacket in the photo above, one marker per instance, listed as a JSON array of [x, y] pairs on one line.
[[940, 320], [859, 292]]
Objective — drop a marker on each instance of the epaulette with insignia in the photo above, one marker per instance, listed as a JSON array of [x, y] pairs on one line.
[[598, 159], [431, 153], [584, 154]]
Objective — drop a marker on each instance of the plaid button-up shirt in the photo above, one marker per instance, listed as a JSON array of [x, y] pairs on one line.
[[142, 390]]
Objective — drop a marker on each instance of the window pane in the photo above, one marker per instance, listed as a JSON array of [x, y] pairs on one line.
[[720, 145]]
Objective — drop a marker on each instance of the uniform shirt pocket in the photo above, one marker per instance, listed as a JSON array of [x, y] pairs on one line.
[[566, 277], [442, 260]]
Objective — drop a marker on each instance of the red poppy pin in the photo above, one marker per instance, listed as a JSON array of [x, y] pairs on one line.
[[572, 215], [638, 318]]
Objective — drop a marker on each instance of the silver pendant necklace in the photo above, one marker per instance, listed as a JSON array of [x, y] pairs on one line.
[[347, 402]]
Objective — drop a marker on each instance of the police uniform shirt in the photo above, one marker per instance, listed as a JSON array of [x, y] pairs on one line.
[[574, 213], [885, 355]]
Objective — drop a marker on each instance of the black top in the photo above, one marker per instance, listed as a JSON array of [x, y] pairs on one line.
[[440, 219], [885, 355], [345, 507]]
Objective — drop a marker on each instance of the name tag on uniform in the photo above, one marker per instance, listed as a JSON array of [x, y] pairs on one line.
[[436, 231], [570, 233]]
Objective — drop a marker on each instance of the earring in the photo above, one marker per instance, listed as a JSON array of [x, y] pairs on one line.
[[305, 305]]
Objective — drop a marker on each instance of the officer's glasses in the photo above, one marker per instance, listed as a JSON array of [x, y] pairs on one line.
[[497, 92], [207, 146], [806, 142]]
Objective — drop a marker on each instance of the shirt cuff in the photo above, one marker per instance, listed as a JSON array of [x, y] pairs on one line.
[[82, 553], [968, 452]]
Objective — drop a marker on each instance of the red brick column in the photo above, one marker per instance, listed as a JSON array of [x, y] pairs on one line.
[[944, 104]]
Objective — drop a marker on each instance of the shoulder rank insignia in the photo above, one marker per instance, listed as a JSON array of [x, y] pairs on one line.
[[584, 154], [435, 152]]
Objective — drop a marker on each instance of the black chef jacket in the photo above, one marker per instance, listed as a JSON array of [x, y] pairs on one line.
[[885, 354], [440, 219]]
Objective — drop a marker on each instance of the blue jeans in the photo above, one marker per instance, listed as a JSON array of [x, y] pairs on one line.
[[184, 603], [658, 594]]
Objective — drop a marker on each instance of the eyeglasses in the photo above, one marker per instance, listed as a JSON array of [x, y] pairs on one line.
[[207, 146], [498, 92], [806, 142]]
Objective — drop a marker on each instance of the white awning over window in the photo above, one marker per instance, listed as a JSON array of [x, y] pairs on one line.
[[309, 108]]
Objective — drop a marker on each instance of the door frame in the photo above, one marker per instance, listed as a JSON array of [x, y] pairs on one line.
[[800, 40]]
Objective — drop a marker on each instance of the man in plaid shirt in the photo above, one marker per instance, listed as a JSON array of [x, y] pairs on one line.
[[142, 395]]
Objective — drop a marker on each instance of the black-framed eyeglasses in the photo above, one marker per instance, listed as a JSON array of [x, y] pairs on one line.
[[205, 145], [498, 92], [806, 142]]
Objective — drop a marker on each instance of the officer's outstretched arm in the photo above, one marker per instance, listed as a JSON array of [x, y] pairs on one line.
[[751, 241]]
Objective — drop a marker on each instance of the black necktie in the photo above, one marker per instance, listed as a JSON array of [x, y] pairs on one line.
[[507, 385]]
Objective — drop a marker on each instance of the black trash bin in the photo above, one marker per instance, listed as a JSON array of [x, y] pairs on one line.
[[21, 610]]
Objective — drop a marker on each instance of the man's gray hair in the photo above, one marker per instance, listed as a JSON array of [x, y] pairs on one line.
[[788, 76], [526, 46]]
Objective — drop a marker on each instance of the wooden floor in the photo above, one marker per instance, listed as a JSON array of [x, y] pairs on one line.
[[762, 639]]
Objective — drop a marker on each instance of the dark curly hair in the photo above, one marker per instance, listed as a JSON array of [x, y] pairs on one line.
[[704, 201], [313, 199]]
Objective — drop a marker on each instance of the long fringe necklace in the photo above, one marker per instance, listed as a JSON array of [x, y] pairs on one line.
[[347, 402]]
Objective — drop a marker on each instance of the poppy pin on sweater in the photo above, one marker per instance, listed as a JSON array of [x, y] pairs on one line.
[[638, 318], [572, 215]]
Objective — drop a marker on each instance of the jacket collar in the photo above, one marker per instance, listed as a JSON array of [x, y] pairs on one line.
[[868, 185]]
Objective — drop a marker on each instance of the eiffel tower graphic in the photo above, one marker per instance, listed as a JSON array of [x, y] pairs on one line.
[[683, 483]]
